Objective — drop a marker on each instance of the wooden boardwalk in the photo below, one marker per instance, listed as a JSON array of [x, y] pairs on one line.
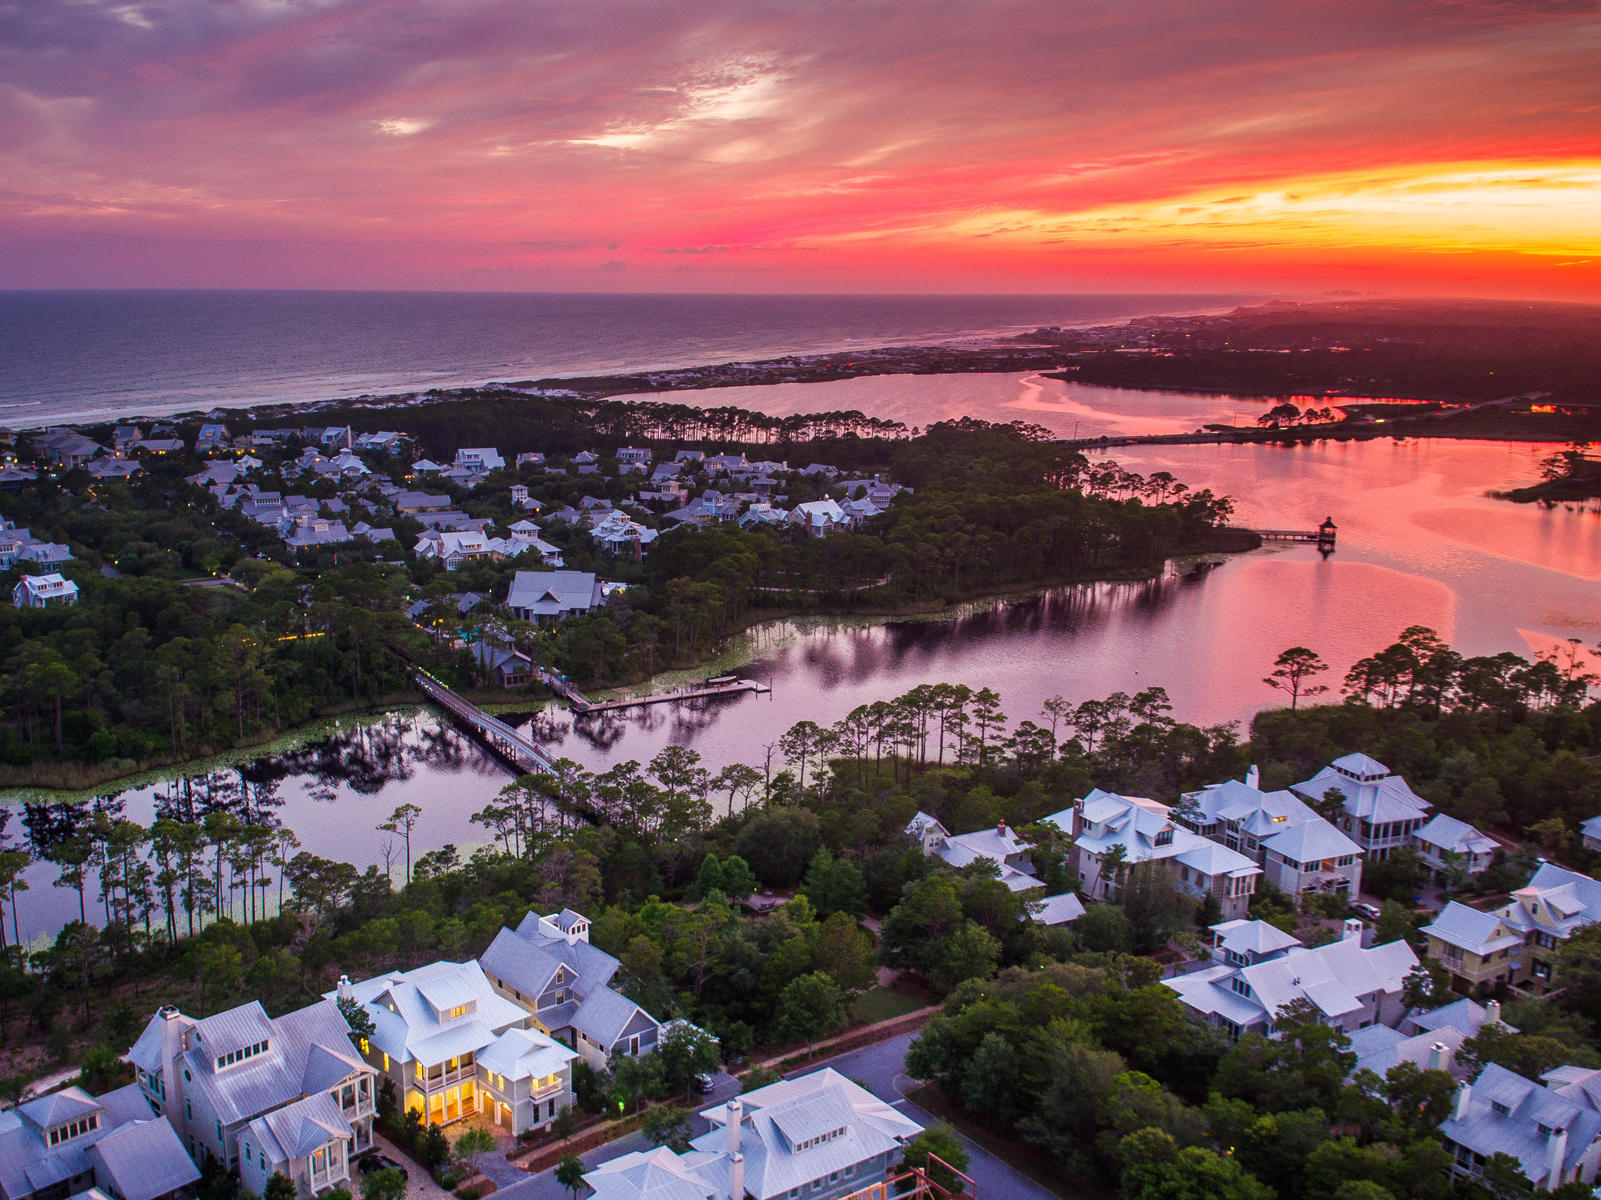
[[737, 687], [524, 756]]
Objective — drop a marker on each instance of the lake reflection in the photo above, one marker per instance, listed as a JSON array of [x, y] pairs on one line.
[[1419, 543]]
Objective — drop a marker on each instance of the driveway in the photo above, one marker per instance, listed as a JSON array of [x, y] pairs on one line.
[[881, 1069]]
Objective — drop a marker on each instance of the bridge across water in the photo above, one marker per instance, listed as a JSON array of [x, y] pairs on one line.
[[522, 754]]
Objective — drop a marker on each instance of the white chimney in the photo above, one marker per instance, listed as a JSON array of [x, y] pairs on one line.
[[1253, 776], [1439, 1057], [1353, 929], [736, 1114], [1492, 1012], [1556, 1146], [346, 990], [736, 1176], [172, 1070], [1464, 1094]]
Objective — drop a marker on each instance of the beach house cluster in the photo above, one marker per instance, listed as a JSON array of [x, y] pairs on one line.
[[1010, 856]]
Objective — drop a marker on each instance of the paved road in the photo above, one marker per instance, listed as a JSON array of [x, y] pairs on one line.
[[880, 1068]]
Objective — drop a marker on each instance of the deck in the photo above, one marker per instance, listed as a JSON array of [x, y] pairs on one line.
[[737, 687]]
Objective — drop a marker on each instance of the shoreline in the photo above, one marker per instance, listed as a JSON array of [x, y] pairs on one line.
[[739, 651]]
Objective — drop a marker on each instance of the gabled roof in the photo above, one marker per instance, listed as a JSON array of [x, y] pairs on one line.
[[1450, 835], [144, 1160], [301, 1128], [1312, 840], [413, 1027], [605, 1014], [1472, 930], [525, 1054], [1516, 1131]]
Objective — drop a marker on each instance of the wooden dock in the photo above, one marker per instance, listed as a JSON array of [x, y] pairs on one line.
[[733, 688], [522, 755], [1322, 536]]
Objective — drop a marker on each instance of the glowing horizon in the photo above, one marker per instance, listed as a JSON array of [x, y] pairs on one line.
[[1447, 147]]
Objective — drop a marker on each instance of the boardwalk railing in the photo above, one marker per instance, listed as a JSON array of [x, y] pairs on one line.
[[524, 755]]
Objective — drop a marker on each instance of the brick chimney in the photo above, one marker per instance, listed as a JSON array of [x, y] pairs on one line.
[[1000, 828]]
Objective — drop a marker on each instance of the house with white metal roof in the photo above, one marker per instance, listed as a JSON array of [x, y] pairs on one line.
[[817, 1136], [1133, 830], [308, 1141], [548, 967], [69, 1142], [40, 591], [213, 1076], [1008, 852], [1590, 833], [479, 459], [1380, 812], [1479, 949], [1242, 943], [1350, 986], [1297, 849], [1443, 842], [1553, 1129], [432, 1027]]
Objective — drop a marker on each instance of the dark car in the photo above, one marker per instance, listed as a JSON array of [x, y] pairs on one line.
[[381, 1162]]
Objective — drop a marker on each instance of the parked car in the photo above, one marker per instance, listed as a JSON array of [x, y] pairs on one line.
[[704, 1082], [380, 1162], [1363, 909]]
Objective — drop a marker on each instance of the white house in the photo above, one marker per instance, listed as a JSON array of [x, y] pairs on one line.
[[1552, 1128], [308, 1141], [1104, 825], [433, 1027], [1298, 850], [453, 549], [1443, 840], [39, 591], [1008, 852], [480, 460], [212, 1077], [548, 967], [819, 517], [552, 595], [1350, 986], [69, 1143], [1380, 812], [817, 1136], [1590, 833]]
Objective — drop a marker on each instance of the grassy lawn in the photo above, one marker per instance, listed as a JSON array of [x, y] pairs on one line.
[[880, 1004]]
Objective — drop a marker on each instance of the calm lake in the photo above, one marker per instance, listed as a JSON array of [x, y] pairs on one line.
[[1419, 543]]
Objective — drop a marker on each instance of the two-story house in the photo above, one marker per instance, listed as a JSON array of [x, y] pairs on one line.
[[1008, 852], [212, 1077], [1349, 985], [41, 591], [1516, 943], [69, 1142], [819, 1137], [308, 1141], [1445, 843], [433, 1028], [1298, 850], [1379, 811], [1113, 833], [548, 968], [1552, 1129]]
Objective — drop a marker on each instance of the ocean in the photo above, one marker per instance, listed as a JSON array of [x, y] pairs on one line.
[[98, 355]]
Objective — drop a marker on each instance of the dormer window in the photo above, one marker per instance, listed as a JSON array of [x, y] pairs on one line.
[[237, 1056], [1164, 837], [1501, 1108], [73, 1129]]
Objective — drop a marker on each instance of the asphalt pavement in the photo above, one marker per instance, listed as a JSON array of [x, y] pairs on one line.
[[880, 1068]]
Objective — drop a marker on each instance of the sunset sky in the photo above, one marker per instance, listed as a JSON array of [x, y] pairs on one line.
[[759, 145]]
